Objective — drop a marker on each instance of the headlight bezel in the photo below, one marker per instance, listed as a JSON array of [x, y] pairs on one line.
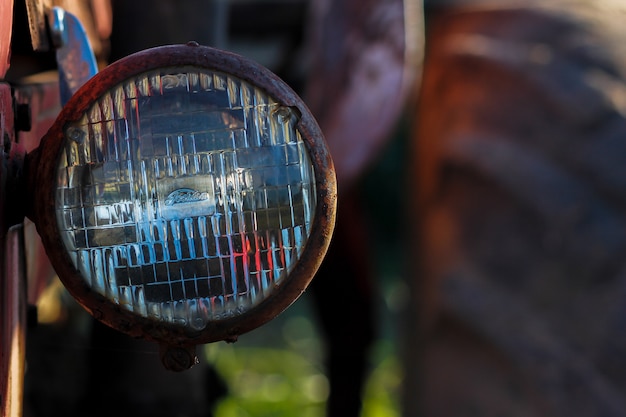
[[43, 163]]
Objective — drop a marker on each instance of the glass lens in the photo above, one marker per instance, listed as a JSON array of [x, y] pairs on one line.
[[185, 195]]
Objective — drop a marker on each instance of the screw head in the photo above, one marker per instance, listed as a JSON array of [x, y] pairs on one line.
[[178, 358]]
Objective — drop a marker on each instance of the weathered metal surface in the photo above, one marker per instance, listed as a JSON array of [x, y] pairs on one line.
[[36, 13], [6, 25], [94, 15], [75, 59], [520, 170]]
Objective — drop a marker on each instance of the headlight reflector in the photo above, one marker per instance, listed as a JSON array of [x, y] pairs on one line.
[[185, 195]]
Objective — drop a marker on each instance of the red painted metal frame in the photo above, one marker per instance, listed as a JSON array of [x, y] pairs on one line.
[[42, 166]]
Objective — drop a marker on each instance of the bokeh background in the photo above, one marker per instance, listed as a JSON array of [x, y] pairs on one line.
[[482, 187]]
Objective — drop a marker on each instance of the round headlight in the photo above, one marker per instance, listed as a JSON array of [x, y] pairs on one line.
[[185, 195]]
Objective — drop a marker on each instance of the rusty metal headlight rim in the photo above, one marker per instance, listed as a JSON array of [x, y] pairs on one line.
[[43, 165]]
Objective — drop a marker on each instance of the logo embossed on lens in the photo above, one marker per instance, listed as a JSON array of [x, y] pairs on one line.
[[185, 195]]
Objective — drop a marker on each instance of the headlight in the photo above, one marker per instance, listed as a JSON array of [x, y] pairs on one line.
[[185, 195]]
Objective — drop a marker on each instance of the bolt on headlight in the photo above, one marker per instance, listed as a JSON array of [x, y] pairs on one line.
[[186, 195]]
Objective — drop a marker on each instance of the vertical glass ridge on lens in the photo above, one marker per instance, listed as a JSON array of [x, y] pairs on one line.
[[185, 195]]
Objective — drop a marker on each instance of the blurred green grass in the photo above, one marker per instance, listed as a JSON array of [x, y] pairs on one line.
[[278, 371]]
